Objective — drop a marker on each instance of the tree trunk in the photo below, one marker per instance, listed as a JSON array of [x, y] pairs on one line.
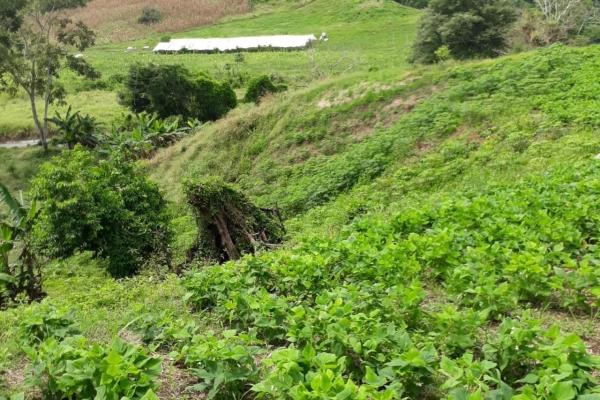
[[46, 107], [233, 252], [36, 120]]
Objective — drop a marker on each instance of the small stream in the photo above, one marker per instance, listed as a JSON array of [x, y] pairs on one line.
[[19, 144]]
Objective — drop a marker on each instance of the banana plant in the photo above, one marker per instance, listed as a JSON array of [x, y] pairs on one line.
[[140, 135], [22, 275], [76, 129]]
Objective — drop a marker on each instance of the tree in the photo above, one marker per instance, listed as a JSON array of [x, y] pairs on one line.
[[170, 90], [36, 42], [558, 11], [22, 276], [469, 28]]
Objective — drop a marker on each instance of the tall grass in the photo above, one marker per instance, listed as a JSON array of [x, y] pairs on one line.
[[116, 20]]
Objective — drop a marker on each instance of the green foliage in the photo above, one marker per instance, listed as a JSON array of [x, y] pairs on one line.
[[468, 28], [75, 368], [414, 3], [150, 16], [443, 54], [45, 322], [305, 374], [170, 90], [106, 206], [226, 366], [260, 87], [349, 298], [76, 129], [140, 135], [164, 330], [20, 273]]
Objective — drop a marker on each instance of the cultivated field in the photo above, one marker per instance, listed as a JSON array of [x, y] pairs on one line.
[[116, 20]]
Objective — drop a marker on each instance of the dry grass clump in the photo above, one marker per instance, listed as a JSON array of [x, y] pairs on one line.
[[116, 20]]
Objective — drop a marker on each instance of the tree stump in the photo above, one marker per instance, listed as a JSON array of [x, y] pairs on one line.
[[229, 225]]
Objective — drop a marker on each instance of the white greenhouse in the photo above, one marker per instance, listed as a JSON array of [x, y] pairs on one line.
[[280, 42]]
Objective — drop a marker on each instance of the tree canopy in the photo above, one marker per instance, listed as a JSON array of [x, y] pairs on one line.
[[469, 28]]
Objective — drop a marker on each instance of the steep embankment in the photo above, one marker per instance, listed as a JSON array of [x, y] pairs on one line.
[[381, 137]]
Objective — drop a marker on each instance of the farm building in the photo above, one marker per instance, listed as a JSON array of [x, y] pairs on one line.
[[280, 42]]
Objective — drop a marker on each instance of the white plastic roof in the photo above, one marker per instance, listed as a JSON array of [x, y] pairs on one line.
[[239, 43]]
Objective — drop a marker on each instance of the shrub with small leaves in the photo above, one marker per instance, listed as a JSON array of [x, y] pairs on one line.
[[260, 87], [106, 206], [45, 321], [225, 364], [150, 16]]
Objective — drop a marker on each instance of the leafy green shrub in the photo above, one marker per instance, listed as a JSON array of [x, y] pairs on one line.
[[525, 361], [305, 374], [44, 322], [260, 87], [468, 28], [170, 90], [106, 206], [74, 368], [150, 16], [164, 330], [226, 366]]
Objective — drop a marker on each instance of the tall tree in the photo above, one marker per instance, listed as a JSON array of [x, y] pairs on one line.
[[37, 41], [469, 28]]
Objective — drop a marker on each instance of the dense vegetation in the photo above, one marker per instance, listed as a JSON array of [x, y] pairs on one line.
[[440, 241], [107, 206], [467, 29], [169, 90]]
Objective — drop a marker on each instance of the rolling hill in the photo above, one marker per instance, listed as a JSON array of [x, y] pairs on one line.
[[442, 229]]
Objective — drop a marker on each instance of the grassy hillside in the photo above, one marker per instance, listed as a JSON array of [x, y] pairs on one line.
[[364, 35], [442, 233], [489, 120], [441, 220]]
